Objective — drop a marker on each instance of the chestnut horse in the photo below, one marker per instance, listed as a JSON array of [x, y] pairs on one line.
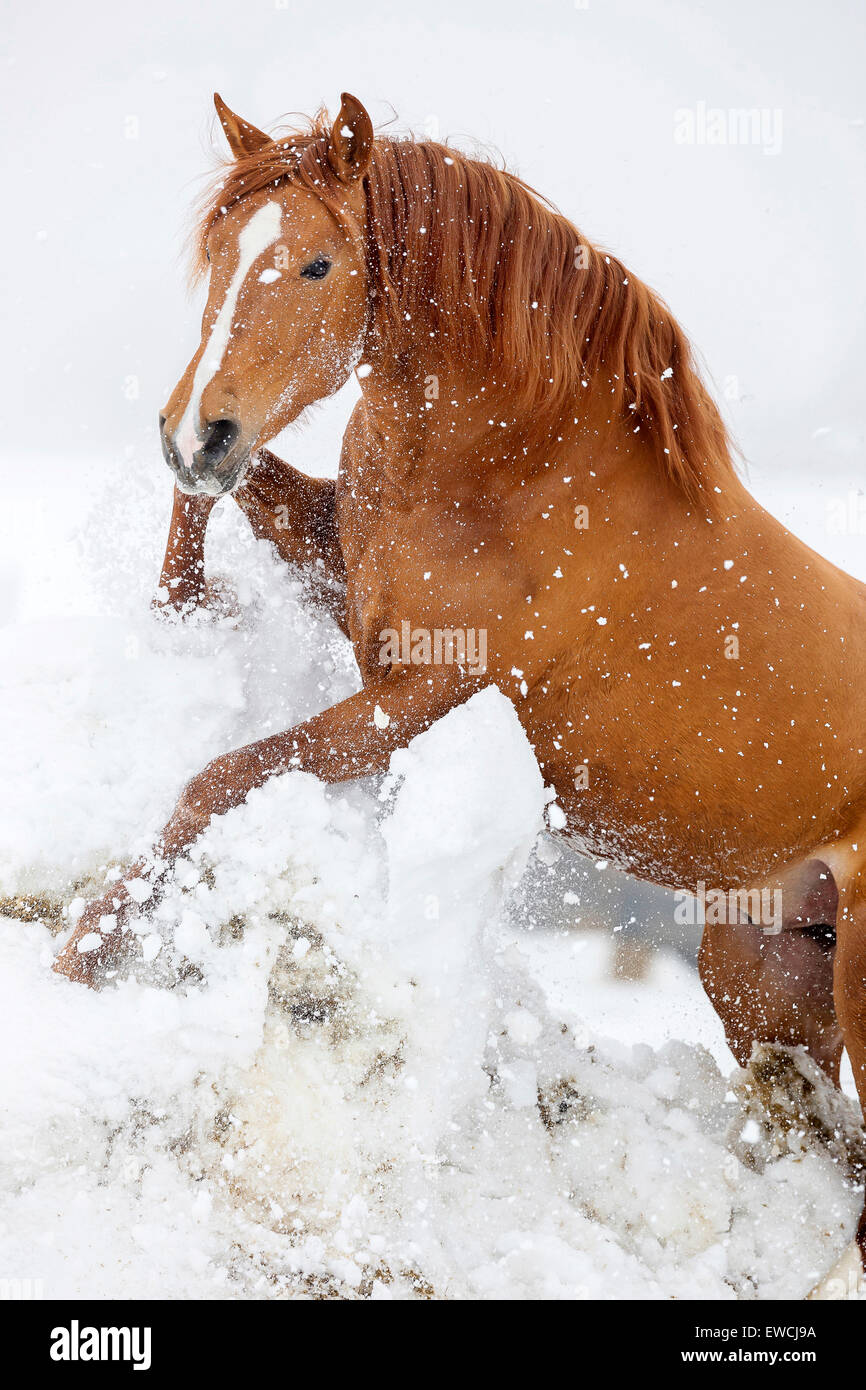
[[533, 457]]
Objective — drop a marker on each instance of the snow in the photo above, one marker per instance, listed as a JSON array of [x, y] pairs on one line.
[[358, 1054], [387, 1070]]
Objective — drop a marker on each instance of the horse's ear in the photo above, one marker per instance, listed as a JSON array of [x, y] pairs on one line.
[[243, 138], [351, 142]]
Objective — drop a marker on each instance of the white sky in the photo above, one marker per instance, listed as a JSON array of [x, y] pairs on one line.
[[759, 255]]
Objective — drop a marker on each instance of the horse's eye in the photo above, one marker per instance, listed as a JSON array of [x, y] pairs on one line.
[[317, 269], [207, 254]]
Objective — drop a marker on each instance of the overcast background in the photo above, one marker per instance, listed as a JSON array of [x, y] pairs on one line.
[[109, 128]]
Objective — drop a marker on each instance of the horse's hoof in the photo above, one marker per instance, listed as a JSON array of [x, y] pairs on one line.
[[221, 598], [88, 954], [846, 1279], [215, 599], [74, 968]]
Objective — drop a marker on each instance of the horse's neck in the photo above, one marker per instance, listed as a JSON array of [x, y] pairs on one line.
[[444, 425], [440, 423], [435, 421]]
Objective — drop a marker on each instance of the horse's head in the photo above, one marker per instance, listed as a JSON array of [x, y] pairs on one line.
[[287, 302]]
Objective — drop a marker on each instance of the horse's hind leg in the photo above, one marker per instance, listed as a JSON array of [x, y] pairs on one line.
[[773, 989], [850, 993], [777, 987], [806, 986]]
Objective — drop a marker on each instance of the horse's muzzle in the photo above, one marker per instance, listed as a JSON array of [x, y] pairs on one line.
[[216, 465]]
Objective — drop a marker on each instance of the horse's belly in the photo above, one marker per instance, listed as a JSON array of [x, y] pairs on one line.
[[629, 846]]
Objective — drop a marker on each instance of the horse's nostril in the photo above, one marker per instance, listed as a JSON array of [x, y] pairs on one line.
[[219, 439], [169, 452]]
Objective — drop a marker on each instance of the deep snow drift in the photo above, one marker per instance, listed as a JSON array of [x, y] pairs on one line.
[[340, 1068]]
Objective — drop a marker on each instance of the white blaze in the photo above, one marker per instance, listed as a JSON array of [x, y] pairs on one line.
[[259, 233]]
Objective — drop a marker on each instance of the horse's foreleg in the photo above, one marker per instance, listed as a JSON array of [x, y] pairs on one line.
[[297, 514], [182, 581], [354, 738], [351, 739]]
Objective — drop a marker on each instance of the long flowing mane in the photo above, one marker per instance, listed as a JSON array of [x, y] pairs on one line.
[[475, 256]]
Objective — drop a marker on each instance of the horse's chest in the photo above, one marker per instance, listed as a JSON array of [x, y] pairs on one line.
[[406, 566], [372, 589]]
